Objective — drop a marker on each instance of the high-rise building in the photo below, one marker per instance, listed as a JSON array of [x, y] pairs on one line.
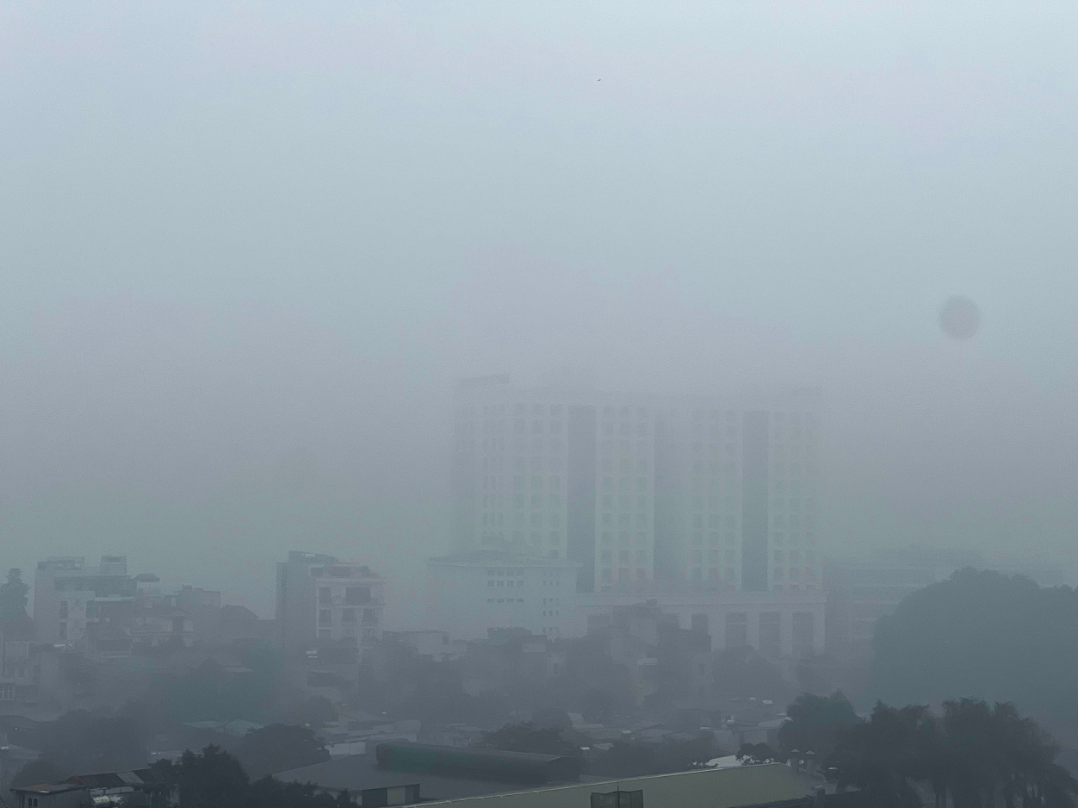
[[635, 488]]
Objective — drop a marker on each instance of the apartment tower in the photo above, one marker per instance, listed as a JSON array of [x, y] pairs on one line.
[[636, 489]]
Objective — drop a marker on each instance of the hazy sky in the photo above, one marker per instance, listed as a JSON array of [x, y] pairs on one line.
[[244, 249]]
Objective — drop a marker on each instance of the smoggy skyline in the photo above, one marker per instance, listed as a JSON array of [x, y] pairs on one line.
[[246, 250]]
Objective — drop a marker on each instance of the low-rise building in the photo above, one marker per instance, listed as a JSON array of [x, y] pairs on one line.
[[323, 601], [140, 788], [70, 596], [779, 624]]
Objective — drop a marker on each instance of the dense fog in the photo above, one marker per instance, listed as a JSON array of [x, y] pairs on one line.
[[247, 249]]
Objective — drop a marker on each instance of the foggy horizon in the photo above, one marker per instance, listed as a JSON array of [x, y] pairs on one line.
[[249, 250]]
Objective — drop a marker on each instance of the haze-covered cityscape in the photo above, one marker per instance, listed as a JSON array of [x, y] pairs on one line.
[[526, 406]]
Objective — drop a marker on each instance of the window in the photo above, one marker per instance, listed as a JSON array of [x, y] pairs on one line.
[[737, 629], [325, 617], [324, 596], [618, 799], [357, 594], [63, 610], [803, 630], [348, 615], [770, 634]]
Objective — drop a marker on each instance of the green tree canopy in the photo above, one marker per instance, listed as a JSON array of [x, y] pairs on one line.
[[37, 772], [80, 742], [14, 621], [279, 747], [972, 756], [814, 723], [526, 737], [986, 635]]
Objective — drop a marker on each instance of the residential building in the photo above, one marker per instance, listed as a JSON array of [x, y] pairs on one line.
[[715, 493], [322, 601], [779, 624], [71, 596], [511, 660], [427, 643], [474, 593], [141, 787]]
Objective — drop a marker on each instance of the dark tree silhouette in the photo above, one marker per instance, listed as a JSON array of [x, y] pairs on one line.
[[527, 737], [279, 747], [949, 638], [973, 756], [80, 742], [814, 723], [210, 779], [39, 771], [15, 623]]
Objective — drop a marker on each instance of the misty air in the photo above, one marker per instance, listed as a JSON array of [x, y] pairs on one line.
[[519, 405]]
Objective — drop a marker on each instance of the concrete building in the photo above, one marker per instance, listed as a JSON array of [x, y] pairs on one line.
[[714, 493], [472, 594], [141, 787], [322, 601], [779, 624], [70, 596]]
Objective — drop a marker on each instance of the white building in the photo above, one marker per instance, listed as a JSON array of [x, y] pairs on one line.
[[717, 493], [69, 595], [473, 593], [322, 600]]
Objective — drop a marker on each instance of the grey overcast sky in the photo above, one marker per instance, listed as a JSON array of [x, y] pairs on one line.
[[245, 248]]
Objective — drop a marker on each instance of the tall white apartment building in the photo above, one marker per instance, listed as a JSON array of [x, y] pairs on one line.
[[634, 489], [738, 498]]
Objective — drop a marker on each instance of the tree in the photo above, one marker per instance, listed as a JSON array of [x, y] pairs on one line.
[[15, 623], [526, 737], [634, 758], [597, 705], [270, 793], [552, 718], [317, 710], [876, 756], [743, 672], [211, 779], [814, 723], [37, 772], [279, 747], [973, 756], [80, 742], [985, 635]]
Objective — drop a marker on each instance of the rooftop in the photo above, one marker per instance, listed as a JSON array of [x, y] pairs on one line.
[[356, 773]]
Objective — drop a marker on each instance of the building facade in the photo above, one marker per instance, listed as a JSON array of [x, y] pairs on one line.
[[780, 624], [719, 494], [71, 596], [323, 601], [473, 594]]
